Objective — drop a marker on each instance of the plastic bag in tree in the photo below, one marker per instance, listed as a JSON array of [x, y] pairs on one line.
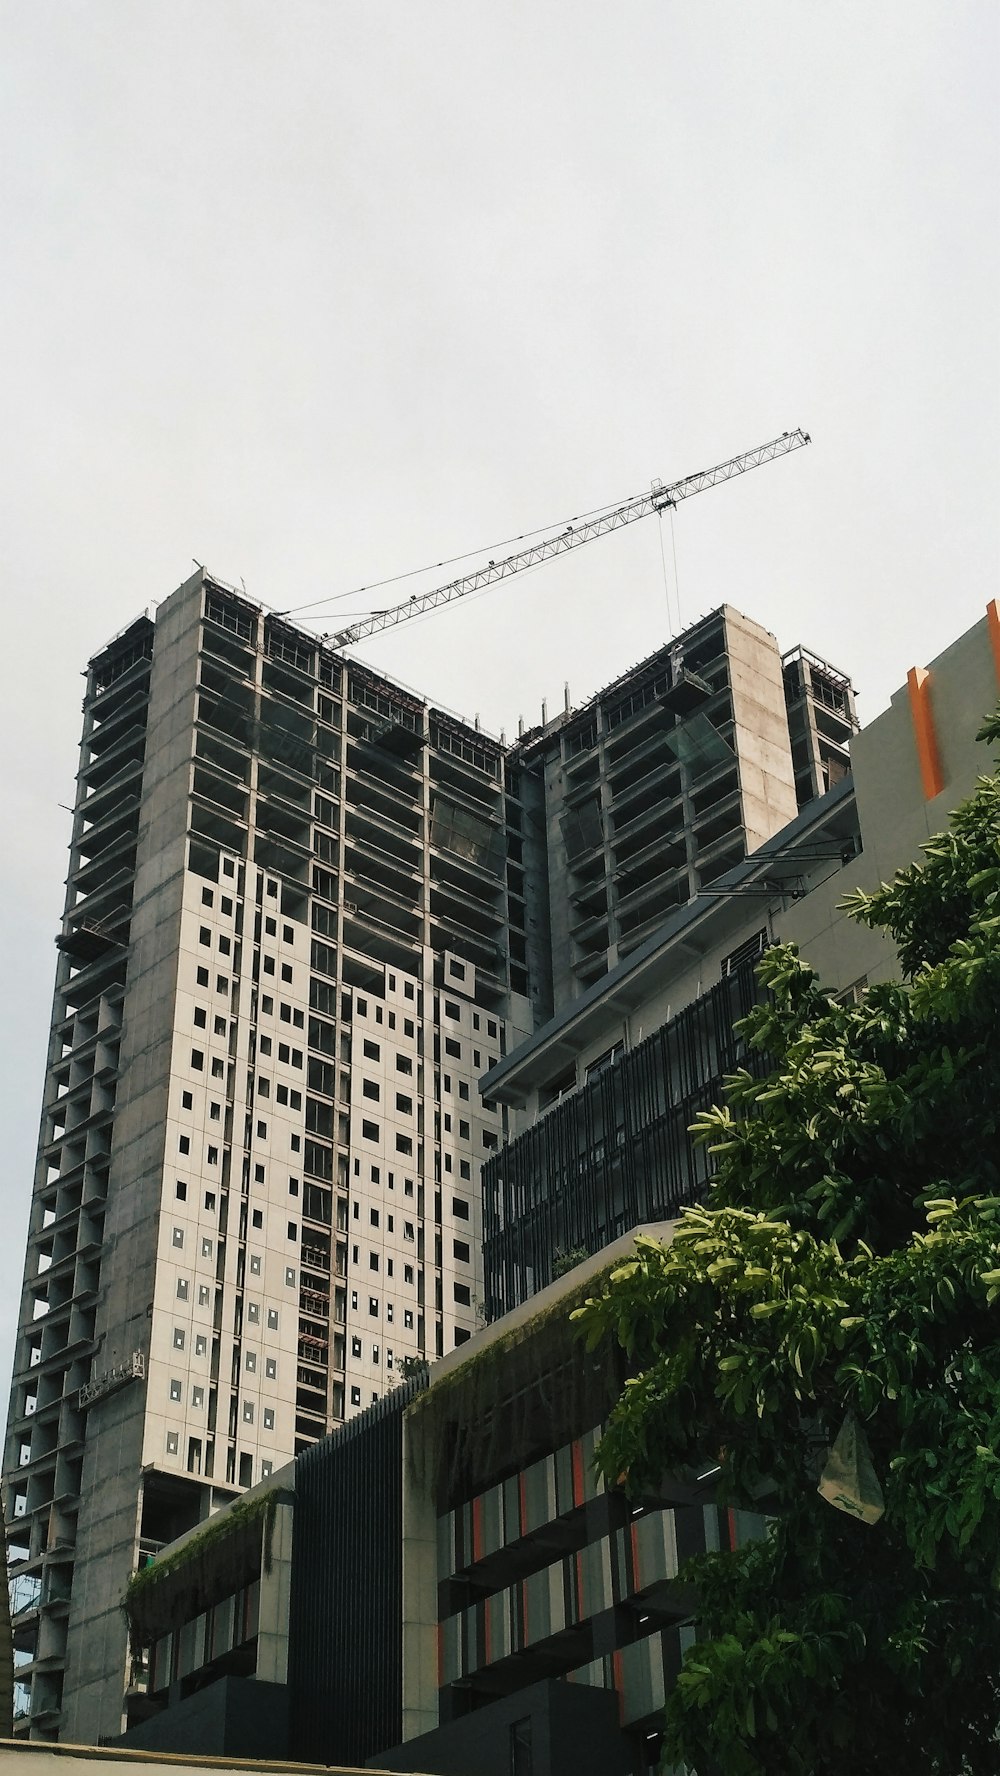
[[848, 1480]]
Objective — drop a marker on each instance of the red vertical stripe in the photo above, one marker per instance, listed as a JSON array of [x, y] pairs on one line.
[[636, 1575], [477, 1528], [577, 1454], [619, 1677], [731, 1515]]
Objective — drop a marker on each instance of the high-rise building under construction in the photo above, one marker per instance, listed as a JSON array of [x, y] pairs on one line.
[[306, 912]]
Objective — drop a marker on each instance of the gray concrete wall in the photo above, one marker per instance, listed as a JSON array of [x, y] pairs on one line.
[[96, 1643]]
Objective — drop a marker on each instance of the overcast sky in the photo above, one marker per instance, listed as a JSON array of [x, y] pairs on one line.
[[319, 292]]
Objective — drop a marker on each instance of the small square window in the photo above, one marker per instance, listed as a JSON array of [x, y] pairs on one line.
[[197, 1059], [265, 1045], [207, 896], [178, 1338], [204, 1295], [218, 1069], [222, 983], [271, 1368], [404, 1063], [251, 1362], [463, 1088], [265, 1470], [257, 1217], [197, 1396], [268, 1418], [200, 1345], [272, 1319], [212, 1156], [175, 1390], [228, 869], [258, 1174], [373, 1305], [201, 976], [287, 934], [181, 1191], [355, 1396], [270, 926], [206, 1248], [215, 1112], [187, 1100], [210, 1200], [204, 935], [177, 1237], [293, 1230], [408, 1273], [262, 1131], [268, 964], [408, 1319], [388, 1315], [255, 1264], [267, 1005], [221, 1027], [295, 1143], [225, 946], [370, 1089], [286, 972], [465, 1169], [293, 1187], [253, 1313], [369, 1131], [289, 1277], [373, 1261], [172, 1442], [248, 1412], [200, 1017], [182, 1289]]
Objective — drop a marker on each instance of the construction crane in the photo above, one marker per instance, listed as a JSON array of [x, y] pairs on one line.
[[660, 498]]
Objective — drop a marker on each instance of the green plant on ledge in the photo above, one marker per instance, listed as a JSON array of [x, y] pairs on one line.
[[223, 1556]]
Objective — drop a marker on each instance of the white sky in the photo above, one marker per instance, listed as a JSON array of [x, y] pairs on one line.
[[319, 292]]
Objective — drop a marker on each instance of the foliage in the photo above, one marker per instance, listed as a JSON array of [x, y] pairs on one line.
[[223, 1555], [563, 1262], [410, 1367], [507, 1399], [848, 1259]]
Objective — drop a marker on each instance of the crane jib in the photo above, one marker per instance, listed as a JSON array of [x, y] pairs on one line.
[[660, 498]]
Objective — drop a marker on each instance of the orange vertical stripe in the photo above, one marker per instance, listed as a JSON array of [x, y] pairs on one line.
[[731, 1514], [477, 1528], [577, 1454], [993, 623], [619, 1677], [919, 688]]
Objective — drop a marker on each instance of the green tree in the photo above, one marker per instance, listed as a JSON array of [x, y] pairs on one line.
[[845, 1272]]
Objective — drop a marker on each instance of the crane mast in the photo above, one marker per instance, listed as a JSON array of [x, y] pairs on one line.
[[660, 498]]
